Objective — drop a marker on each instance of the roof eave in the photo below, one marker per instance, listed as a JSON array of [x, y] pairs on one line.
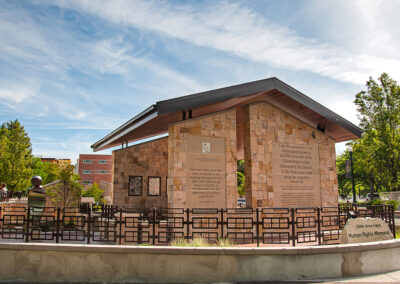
[[128, 126]]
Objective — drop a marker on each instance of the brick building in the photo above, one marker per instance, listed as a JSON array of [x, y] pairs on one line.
[[287, 142], [56, 161], [94, 168]]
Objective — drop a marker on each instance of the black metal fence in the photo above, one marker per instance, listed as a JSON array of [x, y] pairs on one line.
[[116, 225]]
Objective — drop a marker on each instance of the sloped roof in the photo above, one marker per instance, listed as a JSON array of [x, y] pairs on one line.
[[155, 119]]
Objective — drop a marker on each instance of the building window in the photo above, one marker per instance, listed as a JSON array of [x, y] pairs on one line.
[[86, 182], [154, 187], [87, 161], [86, 172], [102, 161], [102, 172], [135, 185]]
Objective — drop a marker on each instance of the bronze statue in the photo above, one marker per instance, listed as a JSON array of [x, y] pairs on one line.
[[36, 197]]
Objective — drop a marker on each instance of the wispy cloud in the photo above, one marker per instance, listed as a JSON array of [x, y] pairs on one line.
[[72, 70], [16, 94], [243, 32]]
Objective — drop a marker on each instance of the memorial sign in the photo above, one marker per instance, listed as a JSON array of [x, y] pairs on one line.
[[362, 230], [205, 172], [296, 175]]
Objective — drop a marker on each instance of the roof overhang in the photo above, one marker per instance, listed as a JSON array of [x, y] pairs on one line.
[[155, 119]]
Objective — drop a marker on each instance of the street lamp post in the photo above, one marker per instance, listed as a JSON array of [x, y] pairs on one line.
[[352, 175]]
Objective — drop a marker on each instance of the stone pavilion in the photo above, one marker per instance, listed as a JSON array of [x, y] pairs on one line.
[[286, 139]]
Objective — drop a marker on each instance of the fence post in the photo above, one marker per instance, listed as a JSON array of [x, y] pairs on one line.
[[293, 228], [154, 226], [58, 226], [120, 226], [187, 224], [88, 226], [393, 224], [27, 224], [257, 228], [319, 224], [222, 223]]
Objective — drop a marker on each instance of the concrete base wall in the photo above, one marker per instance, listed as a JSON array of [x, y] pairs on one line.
[[83, 263]]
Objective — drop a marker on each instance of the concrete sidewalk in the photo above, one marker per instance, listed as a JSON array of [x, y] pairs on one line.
[[390, 277]]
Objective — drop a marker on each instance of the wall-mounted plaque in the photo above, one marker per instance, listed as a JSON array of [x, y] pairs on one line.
[[296, 175], [135, 186], [205, 173], [154, 186]]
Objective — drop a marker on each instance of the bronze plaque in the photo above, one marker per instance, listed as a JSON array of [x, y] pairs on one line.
[[296, 175], [205, 172]]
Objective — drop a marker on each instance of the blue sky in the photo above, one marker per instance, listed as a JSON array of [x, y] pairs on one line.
[[72, 71]]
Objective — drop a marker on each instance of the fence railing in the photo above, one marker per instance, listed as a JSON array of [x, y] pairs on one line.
[[117, 225]]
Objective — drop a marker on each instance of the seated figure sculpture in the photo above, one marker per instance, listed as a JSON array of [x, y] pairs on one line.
[[36, 197]]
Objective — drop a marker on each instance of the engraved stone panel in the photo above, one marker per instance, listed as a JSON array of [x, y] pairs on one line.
[[154, 186], [296, 175], [362, 230], [205, 174]]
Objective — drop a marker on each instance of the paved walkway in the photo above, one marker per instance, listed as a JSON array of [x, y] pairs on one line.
[[390, 277]]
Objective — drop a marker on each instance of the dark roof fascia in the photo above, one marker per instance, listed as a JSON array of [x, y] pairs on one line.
[[317, 107], [127, 125], [222, 94], [215, 96], [218, 95]]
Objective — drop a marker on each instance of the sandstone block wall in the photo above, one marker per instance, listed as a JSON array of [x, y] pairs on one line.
[[146, 159], [264, 124], [221, 124]]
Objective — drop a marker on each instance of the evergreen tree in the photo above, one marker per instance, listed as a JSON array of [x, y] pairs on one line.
[[15, 156]]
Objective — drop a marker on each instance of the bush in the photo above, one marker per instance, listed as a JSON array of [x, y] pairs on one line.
[[376, 202], [200, 242], [394, 203], [196, 242]]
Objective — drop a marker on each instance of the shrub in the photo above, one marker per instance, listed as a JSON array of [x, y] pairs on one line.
[[200, 242], [376, 202], [224, 243], [394, 203]]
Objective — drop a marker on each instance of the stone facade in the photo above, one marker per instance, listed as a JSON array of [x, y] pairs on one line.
[[149, 159], [263, 125], [221, 124]]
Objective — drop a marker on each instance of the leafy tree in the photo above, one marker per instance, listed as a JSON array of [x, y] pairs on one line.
[[48, 171], [94, 191], [240, 184], [67, 191], [240, 178], [345, 184], [15, 156], [379, 112]]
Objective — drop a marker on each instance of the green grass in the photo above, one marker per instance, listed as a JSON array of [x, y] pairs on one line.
[[200, 242]]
